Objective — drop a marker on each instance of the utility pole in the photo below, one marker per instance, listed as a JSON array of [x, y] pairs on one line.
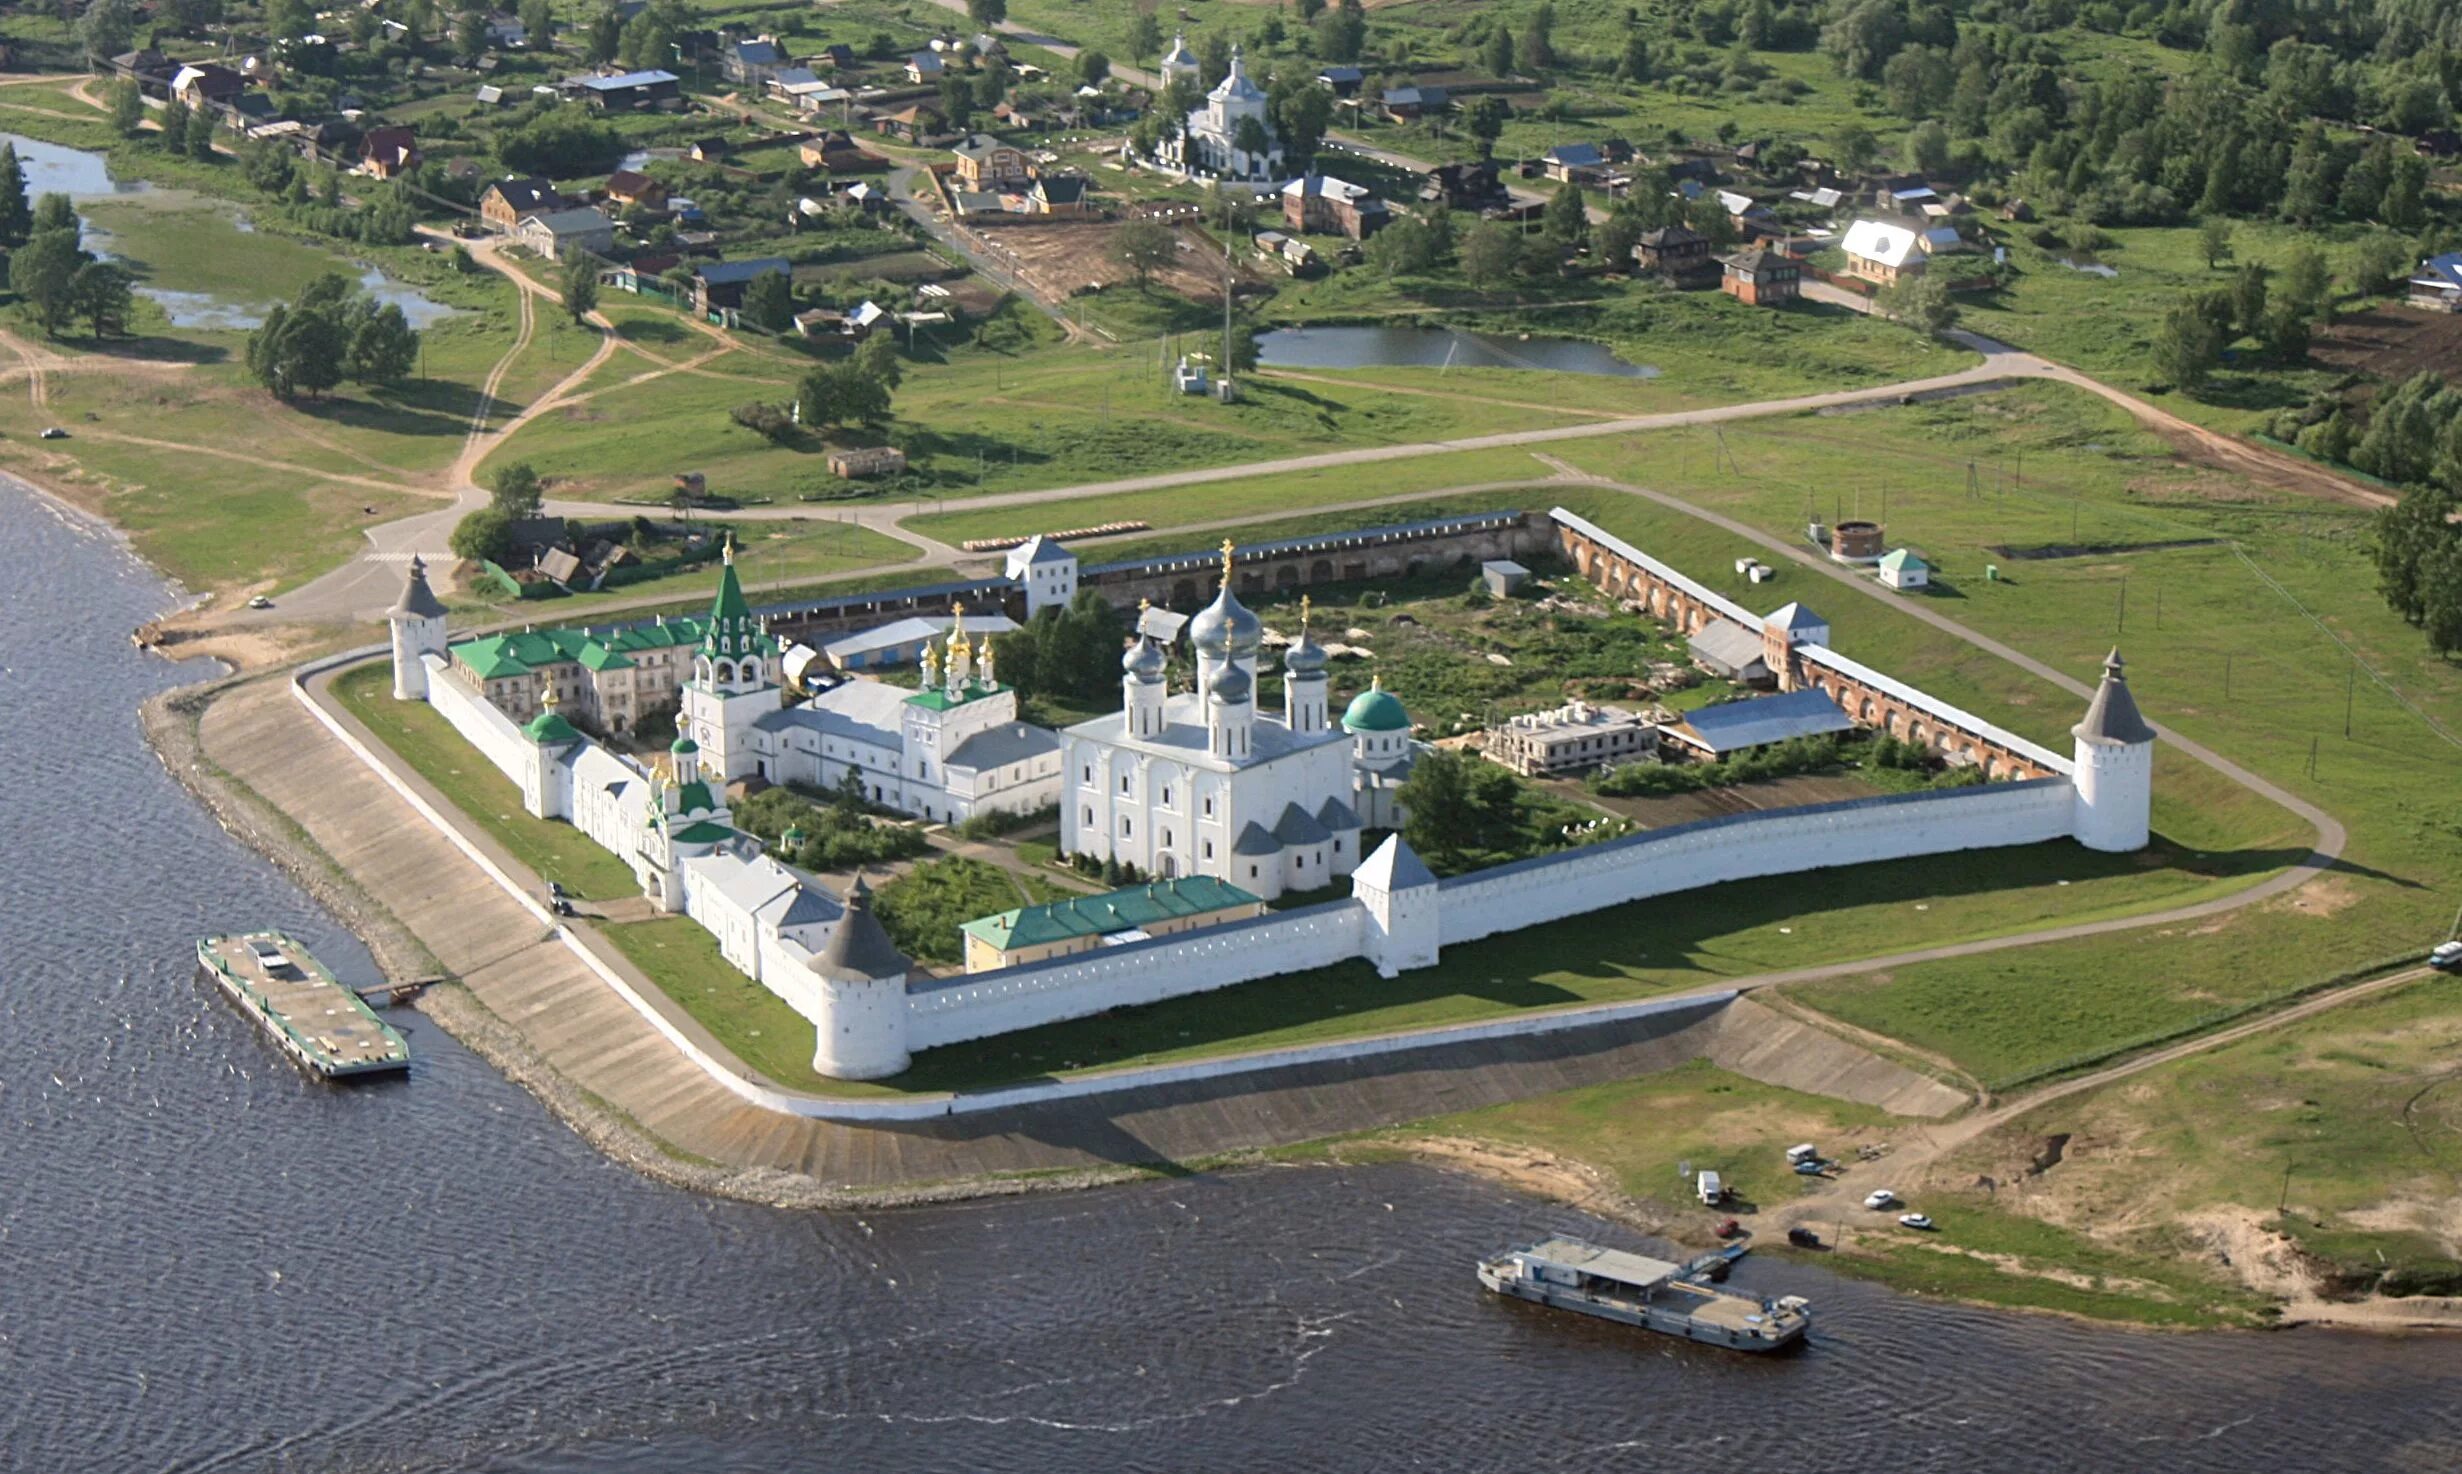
[[2120, 621], [2350, 690]]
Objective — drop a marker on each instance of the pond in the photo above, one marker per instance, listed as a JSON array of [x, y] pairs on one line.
[[2090, 268], [186, 245], [1373, 347]]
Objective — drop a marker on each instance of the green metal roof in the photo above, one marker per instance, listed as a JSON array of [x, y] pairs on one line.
[[1902, 559], [1103, 915], [526, 651], [733, 632], [693, 796], [706, 832], [938, 699], [1376, 710]]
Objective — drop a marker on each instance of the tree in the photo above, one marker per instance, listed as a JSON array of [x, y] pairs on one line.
[[1342, 32], [2408, 535], [538, 23], [1461, 810], [1145, 35], [198, 136], [1633, 65], [174, 134], [107, 28], [1855, 147], [1921, 302], [840, 394], [514, 490], [1612, 241], [1144, 247], [2248, 291], [2308, 187], [877, 359], [1496, 53], [43, 273], [1485, 117], [987, 14], [2285, 334], [1534, 50], [1490, 254], [384, 348], [2214, 241], [485, 536], [1302, 119], [1403, 248], [769, 302], [54, 212], [580, 294], [1093, 67], [1927, 149], [605, 35], [2307, 284], [2440, 613], [102, 294], [2381, 258], [1568, 215], [16, 213], [2187, 346], [127, 108], [2406, 193]]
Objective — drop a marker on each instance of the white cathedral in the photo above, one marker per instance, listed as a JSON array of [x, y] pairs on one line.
[[1207, 142], [1198, 782]]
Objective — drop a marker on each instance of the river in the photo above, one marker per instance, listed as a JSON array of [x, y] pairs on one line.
[[208, 1263]]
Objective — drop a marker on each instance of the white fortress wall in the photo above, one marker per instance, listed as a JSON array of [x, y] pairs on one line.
[[609, 794], [1950, 717], [1700, 592], [1688, 856], [481, 725], [973, 1006]]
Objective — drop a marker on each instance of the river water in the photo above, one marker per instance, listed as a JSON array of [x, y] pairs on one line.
[[208, 1263]]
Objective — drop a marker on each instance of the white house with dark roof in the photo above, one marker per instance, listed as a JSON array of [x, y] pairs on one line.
[[1881, 252], [1208, 141], [1045, 571], [1199, 782], [2437, 285]]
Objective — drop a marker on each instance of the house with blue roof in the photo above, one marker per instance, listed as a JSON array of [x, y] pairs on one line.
[[718, 284], [2438, 284], [629, 91]]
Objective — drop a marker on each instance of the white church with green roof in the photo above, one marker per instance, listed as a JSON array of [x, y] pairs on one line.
[[1199, 782]]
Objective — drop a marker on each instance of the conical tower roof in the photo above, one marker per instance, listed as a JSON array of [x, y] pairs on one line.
[[2112, 716], [859, 950], [418, 601], [733, 633]]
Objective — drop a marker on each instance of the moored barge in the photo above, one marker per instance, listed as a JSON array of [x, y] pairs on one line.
[[1655, 1294], [325, 1026]]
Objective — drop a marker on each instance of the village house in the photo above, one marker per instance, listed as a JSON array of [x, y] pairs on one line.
[[721, 283], [1061, 196], [910, 124], [2437, 286], [1879, 252], [1574, 163], [560, 235], [630, 189], [752, 63], [1410, 104], [986, 163], [924, 68], [1323, 205], [149, 69], [856, 461], [629, 91], [1465, 187], [1341, 81], [837, 56], [1673, 250], [1761, 278], [1090, 923], [389, 153], [838, 152], [207, 84]]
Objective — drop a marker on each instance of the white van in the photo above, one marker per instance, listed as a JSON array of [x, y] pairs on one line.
[[1803, 1152], [1713, 1192]]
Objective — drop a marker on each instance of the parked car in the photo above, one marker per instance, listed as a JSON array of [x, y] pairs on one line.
[[1731, 1229], [2446, 957], [54, 432], [1810, 1169], [1915, 1220], [260, 602], [1803, 1238], [1880, 1198]]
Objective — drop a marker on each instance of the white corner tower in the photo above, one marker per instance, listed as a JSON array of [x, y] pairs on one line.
[[861, 1031], [2115, 767], [418, 620], [1400, 894]]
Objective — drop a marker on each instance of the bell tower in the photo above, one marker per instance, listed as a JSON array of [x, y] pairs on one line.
[[731, 686]]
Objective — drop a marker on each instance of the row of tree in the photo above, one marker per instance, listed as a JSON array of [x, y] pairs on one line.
[[55, 277], [331, 332]]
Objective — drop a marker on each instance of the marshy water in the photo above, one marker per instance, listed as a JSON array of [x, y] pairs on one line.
[[86, 177]]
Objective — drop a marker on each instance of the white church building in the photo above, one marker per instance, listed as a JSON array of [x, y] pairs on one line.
[[1198, 782], [1207, 143]]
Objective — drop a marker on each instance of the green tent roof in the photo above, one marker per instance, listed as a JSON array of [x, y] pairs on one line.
[[706, 832], [692, 796], [1104, 915], [733, 632], [1902, 559]]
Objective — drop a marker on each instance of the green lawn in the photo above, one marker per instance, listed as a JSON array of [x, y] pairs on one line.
[[554, 849]]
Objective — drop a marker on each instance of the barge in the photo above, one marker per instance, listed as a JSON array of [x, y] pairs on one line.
[[1655, 1294], [325, 1026]]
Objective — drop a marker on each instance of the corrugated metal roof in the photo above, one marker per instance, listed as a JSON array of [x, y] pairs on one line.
[[1737, 725]]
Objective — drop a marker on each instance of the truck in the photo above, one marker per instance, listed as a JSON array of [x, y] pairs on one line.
[[1713, 1192]]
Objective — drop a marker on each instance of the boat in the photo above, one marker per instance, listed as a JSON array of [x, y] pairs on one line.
[[326, 1027], [1655, 1294]]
